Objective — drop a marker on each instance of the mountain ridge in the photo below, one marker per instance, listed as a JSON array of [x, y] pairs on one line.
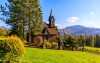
[[78, 29]]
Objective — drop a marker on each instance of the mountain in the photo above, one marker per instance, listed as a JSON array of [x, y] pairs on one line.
[[78, 29]]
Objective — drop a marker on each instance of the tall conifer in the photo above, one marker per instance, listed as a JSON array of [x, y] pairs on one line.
[[22, 14]]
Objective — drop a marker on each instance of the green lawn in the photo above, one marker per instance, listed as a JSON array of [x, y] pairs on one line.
[[92, 48], [36, 55]]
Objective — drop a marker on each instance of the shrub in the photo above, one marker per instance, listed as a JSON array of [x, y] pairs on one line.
[[12, 50], [2, 32], [54, 44], [46, 44]]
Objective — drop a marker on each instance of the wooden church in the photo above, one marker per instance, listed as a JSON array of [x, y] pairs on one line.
[[49, 32]]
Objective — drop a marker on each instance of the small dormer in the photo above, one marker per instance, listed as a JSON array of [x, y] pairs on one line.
[[51, 20]]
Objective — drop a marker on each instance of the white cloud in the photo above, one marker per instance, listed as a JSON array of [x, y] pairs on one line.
[[73, 19], [59, 26], [91, 13], [47, 22], [89, 22], [84, 21]]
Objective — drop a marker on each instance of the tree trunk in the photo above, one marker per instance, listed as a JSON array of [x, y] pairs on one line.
[[29, 28], [23, 32], [83, 48], [61, 47], [29, 32], [73, 48], [44, 47]]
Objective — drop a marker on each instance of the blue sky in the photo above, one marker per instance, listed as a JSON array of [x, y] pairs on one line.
[[71, 12]]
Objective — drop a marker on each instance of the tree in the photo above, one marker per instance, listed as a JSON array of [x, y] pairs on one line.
[[13, 16], [72, 41], [92, 42], [60, 42], [23, 14], [33, 14], [87, 40], [97, 44], [82, 41]]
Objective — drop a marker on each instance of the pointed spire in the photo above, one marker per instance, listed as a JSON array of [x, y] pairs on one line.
[[51, 20], [51, 14]]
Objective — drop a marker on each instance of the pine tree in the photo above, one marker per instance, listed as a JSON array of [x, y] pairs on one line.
[[33, 13], [92, 42], [14, 16], [97, 44], [73, 42], [23, 14], [82, 41], [87, 40]]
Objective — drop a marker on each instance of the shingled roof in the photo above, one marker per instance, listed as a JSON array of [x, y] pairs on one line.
[[46, 30], [49, 29]]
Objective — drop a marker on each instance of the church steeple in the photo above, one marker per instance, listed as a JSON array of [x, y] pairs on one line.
[[51, 20], [51, 14]]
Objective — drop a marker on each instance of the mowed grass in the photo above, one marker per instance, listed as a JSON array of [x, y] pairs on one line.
[[92, 48], [36, 55]]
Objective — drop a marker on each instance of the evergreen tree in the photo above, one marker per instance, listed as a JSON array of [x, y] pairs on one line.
[[33, 14], [97, 44], [82, 41], [14, 16], [21, 14], [92, 42], [87, 40], [73, 42]]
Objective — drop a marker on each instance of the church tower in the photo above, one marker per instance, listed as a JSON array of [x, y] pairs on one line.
[[51, 20]]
